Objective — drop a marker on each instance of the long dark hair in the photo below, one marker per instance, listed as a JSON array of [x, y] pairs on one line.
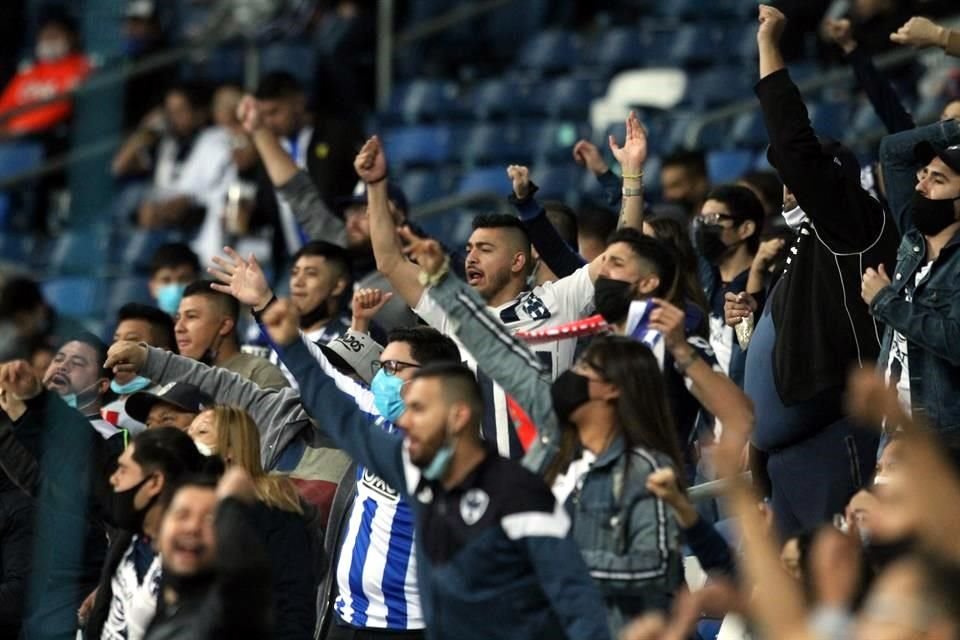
[[643, 414], [688, 288]]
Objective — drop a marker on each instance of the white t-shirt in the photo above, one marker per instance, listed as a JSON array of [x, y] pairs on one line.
[[547, 305], [898, 362], [134, 603]]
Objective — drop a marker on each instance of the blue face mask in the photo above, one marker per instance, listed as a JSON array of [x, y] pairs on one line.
[[137, 384], [168, 297], [73, 399], [441, 461], [386, 395]]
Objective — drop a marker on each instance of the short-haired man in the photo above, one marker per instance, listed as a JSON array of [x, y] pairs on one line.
[[139, 323], [683, 179], [919, 301], [477, 550], [206, 330], [147, 474], [172, 267], [217, 571]]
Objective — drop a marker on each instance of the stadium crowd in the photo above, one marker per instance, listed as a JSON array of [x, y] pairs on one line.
[[392, 441]]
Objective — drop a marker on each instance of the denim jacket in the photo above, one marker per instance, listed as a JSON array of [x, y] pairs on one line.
[[627, 536], [931, 322]]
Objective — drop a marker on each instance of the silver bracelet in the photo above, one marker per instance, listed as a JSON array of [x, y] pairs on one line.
[[627, 192]]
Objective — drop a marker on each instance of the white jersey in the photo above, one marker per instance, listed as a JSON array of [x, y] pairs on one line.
[[547, 305]]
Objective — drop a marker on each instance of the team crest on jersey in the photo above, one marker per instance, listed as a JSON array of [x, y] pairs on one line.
[[425, 495], [376, 484], [473, 505], [533, 306]]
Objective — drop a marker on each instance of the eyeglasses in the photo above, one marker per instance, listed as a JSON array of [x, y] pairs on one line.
[[716, 218], [392, 367]]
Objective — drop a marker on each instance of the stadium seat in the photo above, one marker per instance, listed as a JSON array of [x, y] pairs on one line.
[[491, 180], [553, 141], [695, 9], [750, 130], [18, 157], [830, 119], [571, 96], [717, 86], [558, 182], [423, 145], [550, 51], [452, 228], [80, 251], [498, 144], [617, 49], [708, 629], [75, 296], [498, 98], [727, 166], [694, 45], [135, 247], [220, 65], [295, 57], [424, 100], [14, 247], [424, 186], [124, 290]]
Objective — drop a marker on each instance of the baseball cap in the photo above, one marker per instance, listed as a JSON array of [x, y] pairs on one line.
[[355, 352], [359, 196], [140, 10], [180, 394], [924, 152]]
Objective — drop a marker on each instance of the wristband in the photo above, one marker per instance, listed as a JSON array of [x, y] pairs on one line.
[[633, 176], [681, 367], [627, 192], [257, 314]]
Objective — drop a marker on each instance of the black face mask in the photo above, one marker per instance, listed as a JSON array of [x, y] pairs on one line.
[[709, 244], [126, 516], [311, 318], [612, 298], [569, 392], [930, 217], [188, 585]]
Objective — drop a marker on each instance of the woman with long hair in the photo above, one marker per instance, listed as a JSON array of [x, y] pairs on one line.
[[278, 517], [688, 288]]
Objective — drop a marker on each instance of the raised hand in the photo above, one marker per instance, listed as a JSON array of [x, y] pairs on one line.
[[248, 113], [840, 32], [873, 282], [633, 153], [242, 279], [669, 321], [282, 322], [871, 400], [427, 253], [126, 356], [737, 306], [366, 304], [586, 154], [772, 22], [520, 177], [920, 32], [371, 162], [767, 253], [18, 380]]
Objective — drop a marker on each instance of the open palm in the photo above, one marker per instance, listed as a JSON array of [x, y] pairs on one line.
[[242, 279], [633, 153]]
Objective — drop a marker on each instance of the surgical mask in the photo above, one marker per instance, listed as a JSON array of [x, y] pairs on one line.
[[569, 392], [386, 395], [612, 298], [930, 217], [440, 463], [204, 448], [168, 297], [708, 241], [51, 50], [73, 399], [139, 383], [125, 514], [795, 217]]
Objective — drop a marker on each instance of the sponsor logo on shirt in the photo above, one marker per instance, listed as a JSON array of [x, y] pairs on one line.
[[376, 484]]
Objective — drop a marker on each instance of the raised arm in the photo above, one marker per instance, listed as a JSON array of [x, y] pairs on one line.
[[900, 168], [844, 214], [922, 32], [371, 166], [883, 97], [631, 156], [294, 186], [352, 430]]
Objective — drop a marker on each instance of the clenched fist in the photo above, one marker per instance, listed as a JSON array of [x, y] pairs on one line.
[[282, 322], [126, 356]]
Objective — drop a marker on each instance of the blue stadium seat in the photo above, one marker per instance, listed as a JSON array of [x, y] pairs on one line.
[[694, 45], [223, 64], [499, 144], [618, 48], [486, 180], [550, 51], [553, 141], [125, 290], [452, 228], [295, 57], [424, 145], [727, 166], [656, 47], [20, 156], [505, 26], [14, 247], [571, 96], [424, 186], [695, 9], [558, 183], [135, 247], [749, 130], [717, 86], [425, 100], [75, 296], [80, 251], [498, 98], [830, 119]]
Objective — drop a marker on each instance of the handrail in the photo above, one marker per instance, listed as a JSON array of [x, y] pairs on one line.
[[831, 78], [461, 13]]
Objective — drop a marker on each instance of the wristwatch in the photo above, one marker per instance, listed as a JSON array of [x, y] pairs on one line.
[[681, 366]]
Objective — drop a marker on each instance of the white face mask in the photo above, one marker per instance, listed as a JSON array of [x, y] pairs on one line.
[[49, 50], [203, 448], [794, 217]]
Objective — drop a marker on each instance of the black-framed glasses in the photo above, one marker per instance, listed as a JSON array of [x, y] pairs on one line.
[[716, 218], [392, 367]]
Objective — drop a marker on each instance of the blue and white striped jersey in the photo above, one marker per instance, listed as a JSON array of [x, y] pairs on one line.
[[377, 570]]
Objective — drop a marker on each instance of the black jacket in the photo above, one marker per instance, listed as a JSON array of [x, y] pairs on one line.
[[823, 326], [235, 601], [54, 454], [16, 546], [101, 606]]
